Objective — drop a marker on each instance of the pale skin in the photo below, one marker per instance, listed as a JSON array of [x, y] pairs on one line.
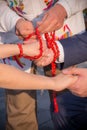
[[23, 28], [30, 81], [46, 58], [9, 80], [80, 86], [30, 48], [7, 50], [47, 55], [56, 15]]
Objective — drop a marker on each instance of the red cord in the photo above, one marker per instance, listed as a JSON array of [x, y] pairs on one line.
[[50, 38], [52, 44], [20, 49], [40, 42]]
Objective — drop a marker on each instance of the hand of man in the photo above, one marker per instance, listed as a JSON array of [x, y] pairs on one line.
[[31, 47], [53, 19], [80, 87]]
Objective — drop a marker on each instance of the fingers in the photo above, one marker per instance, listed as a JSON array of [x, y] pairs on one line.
[[71, 70], [53, 19], [48, 23], [44, 61], [24, 28], [22, 34], [65, 80], [72, 81]]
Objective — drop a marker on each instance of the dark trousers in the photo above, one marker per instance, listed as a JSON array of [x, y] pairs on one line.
[[72, 113]]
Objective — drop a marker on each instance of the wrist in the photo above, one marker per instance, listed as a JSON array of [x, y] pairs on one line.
[[52, 83], [66, 5], [20, 49], [62, 9]]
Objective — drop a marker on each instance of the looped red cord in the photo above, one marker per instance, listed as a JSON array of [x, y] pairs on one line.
[[40, 42], [50, 38]]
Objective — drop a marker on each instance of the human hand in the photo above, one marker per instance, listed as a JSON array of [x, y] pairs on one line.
[[46, 58], [24, 28], [31, 47], [63, 81], [80, 87], [53, 19]]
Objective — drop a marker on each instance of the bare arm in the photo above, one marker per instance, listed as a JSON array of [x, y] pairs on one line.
[[7, 50], [11, 76]]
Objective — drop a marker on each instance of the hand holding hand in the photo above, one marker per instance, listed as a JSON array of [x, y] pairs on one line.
[[32, 48], [80, 87], [46, 59], [63, 81]]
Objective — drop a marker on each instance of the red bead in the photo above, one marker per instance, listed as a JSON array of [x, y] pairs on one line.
[[52, 44]]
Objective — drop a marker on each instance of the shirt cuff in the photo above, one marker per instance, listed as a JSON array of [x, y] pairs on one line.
[[61, 53]]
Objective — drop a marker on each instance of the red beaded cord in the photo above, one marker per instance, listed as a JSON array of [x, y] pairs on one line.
[[52, 44], [50, 38], [40, 42]]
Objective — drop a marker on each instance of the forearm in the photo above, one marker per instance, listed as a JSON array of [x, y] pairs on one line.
[[7, 50], [73, 6], [8, 18], [23, 50], [12, 77]]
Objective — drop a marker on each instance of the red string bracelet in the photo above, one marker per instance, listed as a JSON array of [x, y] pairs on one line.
[[40, 42], [20, 49]]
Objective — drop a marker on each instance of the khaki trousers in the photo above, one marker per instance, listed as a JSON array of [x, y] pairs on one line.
[[21, 110]]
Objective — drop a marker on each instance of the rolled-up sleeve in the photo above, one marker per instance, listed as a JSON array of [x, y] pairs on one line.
[[8, 17]]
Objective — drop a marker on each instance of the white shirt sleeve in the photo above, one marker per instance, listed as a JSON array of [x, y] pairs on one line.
[[73, 6], [61, 53], [8, 17]]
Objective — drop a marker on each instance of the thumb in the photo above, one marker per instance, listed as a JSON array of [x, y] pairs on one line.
[[72, 70]]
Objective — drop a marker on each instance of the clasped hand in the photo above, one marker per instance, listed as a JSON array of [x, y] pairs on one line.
[[32, 48]]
